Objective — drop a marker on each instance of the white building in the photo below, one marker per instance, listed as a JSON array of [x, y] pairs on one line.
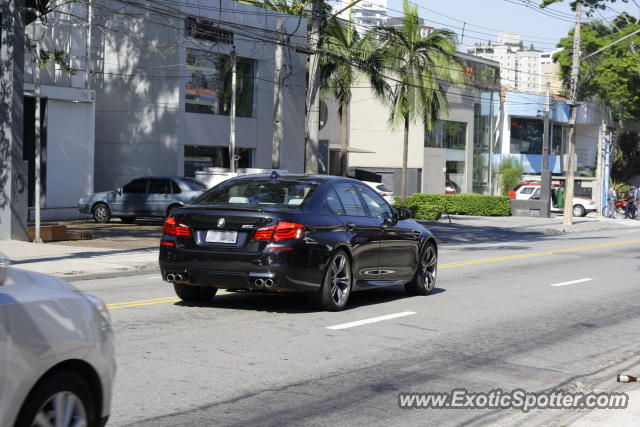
[[366, 14], [521, 68], [158, 96]]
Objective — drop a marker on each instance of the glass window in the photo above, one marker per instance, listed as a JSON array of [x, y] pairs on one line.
[[137, 186], [384, 188], [193, 184], [447, 134], [333, 203], [375, 204], [527, 190], [208, 87], [259, 192], [205, 29], [159, 186], [349, 199], [526, 136], [175, 188]]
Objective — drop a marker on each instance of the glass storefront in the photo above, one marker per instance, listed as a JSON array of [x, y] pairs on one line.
[[527, 136]]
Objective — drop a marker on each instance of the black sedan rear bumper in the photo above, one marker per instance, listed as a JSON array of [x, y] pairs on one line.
[[276, 271]]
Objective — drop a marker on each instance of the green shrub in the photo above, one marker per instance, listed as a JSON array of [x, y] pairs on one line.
[[431, 206]]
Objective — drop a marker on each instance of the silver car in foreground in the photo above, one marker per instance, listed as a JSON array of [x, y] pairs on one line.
[[56, 353], [149, 196]]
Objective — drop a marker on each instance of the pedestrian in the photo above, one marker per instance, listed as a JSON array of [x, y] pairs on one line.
[[611, 203], [630, 208]]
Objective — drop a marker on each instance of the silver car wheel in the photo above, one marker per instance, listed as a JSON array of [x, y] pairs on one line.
[[340, 276], [430, 268], [100, 213], [63, 409]]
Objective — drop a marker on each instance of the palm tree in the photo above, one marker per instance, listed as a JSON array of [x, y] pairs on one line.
[[346, 59], [421, 68]]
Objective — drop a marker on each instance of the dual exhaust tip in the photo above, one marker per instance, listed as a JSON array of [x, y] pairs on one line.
[[175, 278], [263, 283]]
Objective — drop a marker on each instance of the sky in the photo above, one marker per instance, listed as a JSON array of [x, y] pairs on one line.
[[506, 15]]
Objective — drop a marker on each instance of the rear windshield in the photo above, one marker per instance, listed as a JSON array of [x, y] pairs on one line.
[[384, 188], [275, 193], [193, 184]]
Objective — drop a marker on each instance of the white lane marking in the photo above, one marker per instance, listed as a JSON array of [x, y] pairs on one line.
[[371, 320], [572, 282]]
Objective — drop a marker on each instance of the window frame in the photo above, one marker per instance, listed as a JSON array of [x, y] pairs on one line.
[[146, 185], [361, 188], [362, 204]]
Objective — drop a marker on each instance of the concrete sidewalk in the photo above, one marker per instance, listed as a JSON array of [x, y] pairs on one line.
[[73, 261]]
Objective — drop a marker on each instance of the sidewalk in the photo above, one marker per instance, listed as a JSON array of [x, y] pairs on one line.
[[121, 248], [66, 261], [629, 417]]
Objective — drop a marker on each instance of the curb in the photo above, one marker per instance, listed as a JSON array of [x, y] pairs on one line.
[[133, 271]]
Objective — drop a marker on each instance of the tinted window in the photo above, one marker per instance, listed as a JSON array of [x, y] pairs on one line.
[[175, 188], [375, 204], [282, 193], [136, 186], [384, 188], [349, 199], [193, 184], [159, 186], [333, 203], [527, 190]]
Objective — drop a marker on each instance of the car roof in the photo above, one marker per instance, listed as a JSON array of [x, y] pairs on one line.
[[300, 176]]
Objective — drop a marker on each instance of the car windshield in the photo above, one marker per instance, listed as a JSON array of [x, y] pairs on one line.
[[193, 184], [384, 188], [276, 193]]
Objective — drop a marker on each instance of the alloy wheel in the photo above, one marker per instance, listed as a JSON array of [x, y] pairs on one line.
[[63, 409], [430, 267], [340, 276], [100, 213]]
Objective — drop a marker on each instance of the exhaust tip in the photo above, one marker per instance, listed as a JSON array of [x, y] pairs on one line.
[[268, 283], [170, 277], [178, 278], [259, 283]]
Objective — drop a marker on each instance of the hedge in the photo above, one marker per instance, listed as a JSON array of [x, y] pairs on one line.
[[432, 206]]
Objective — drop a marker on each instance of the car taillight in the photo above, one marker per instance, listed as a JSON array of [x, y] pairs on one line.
[[172, 229], [279, 232], [384, 194]]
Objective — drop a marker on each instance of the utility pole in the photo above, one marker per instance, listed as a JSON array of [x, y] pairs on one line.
[[600, 186], [38, 143], [89, 41], [313, 96], [232, 117], [277, 98], [575, 72], [545, 175]]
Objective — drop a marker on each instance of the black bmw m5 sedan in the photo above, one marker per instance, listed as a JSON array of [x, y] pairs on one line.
[[325, 236]]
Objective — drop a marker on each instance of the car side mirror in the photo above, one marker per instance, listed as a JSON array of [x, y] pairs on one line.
[[4, 267], [119, 191], [403, 213]]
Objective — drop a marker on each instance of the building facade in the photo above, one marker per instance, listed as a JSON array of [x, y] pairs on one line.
[[151, 94], [457, 150], [365, 14]]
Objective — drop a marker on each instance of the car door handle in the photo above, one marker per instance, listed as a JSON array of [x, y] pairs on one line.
[[350, 226]]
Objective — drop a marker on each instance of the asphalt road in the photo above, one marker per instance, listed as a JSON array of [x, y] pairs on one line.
[[495, 321]]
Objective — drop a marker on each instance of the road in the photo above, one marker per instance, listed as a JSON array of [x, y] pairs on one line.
[[546, 314]]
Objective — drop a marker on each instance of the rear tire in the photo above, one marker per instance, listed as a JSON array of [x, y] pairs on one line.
[[58, 396], [425, 279], [128, 219], [579, 210], [101, 213], [191, 293], [336, 286]]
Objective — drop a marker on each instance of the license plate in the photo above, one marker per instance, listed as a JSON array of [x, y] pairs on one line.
[[214, 236]]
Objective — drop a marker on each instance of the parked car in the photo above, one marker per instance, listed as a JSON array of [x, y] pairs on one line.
[[56, 352], [581, 205], [451, 188], [524, 190], [384, 191], [320, 235], [150, 196]]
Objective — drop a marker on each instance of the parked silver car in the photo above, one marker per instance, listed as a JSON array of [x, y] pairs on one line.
[[150, 196], [56, 352]]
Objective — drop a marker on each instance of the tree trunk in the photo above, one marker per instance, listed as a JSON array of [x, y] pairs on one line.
[[345, 124], [405, 156]]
